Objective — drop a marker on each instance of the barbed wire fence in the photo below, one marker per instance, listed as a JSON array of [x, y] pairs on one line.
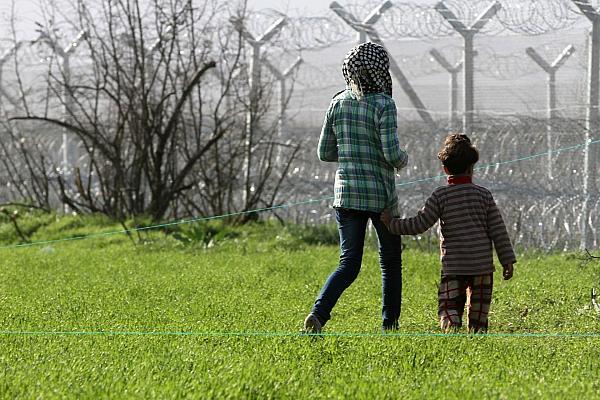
[[549, 201]]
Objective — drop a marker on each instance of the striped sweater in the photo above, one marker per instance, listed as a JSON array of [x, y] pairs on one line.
[[469, 223]]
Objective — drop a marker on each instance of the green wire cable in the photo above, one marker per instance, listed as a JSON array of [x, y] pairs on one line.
[[287, 205], [289, 334], [299, 334]]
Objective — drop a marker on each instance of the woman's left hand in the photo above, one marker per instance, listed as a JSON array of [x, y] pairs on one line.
[[386, 217]]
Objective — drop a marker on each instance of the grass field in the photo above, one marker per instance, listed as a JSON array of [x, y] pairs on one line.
[[168, 319]]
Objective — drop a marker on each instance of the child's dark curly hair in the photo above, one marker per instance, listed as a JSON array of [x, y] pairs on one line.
[[458, 153]]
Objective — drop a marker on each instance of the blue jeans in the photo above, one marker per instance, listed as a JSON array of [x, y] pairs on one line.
[[352, 226]]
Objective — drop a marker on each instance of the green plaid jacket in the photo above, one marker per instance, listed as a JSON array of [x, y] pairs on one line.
[[362, 136]]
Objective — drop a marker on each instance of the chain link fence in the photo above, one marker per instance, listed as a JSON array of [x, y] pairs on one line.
[[542, 197]]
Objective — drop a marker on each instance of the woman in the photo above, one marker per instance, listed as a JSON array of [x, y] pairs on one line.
[[360, 134]]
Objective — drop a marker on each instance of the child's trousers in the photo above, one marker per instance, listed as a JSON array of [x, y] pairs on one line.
[[456, 291]]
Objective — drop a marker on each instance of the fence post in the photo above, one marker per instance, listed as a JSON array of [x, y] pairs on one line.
[[468, 34], [454, 71], [3, 60], [592, 120], [254, 84], [365, 29], [283, 95], [67, 149], [551, 70]]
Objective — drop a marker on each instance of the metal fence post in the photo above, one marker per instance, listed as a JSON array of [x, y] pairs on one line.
[[66, 149], [282, 77], [551, 70], [454, 70], [3, 60], [468, 34], [254, 84], [363, 28], [366, 29], [592, 120], [283, 95]]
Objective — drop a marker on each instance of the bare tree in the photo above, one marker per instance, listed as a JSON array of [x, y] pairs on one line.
[[158, 134], [26, 167]]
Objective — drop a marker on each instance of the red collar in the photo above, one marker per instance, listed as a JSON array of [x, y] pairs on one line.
[[459, 179]]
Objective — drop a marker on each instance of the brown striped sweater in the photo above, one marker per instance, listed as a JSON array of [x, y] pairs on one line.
[[469, 223]]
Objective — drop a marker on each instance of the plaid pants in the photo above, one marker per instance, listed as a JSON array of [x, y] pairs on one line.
[[456, 291]]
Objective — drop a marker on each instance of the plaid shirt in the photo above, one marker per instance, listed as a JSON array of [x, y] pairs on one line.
[[362, 137]]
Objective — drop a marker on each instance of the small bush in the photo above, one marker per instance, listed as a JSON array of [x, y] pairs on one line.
[[321, 235], [204, 234]]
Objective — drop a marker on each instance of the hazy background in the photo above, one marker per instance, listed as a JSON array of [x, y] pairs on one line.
[[28, 11], [518, 85], [510, 94]]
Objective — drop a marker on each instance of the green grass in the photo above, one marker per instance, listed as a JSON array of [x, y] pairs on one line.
[[263, 279]]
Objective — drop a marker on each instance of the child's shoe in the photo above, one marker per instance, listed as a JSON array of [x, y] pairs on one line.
[[312, 324]]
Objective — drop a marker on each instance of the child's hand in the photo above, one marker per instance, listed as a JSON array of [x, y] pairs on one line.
[[508, 271], [386, 217]]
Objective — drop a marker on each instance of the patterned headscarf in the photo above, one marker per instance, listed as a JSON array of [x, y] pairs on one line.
[[366, 69]]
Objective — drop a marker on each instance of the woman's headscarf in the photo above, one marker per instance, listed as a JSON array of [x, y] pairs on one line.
[[366, 69]]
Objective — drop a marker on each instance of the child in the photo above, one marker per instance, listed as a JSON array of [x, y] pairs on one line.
[[360, 134], [469, 223]]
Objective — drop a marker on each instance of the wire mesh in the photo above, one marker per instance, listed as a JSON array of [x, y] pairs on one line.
[[510, 98]]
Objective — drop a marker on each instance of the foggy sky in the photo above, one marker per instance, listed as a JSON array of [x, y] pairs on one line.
[[28, 11]]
